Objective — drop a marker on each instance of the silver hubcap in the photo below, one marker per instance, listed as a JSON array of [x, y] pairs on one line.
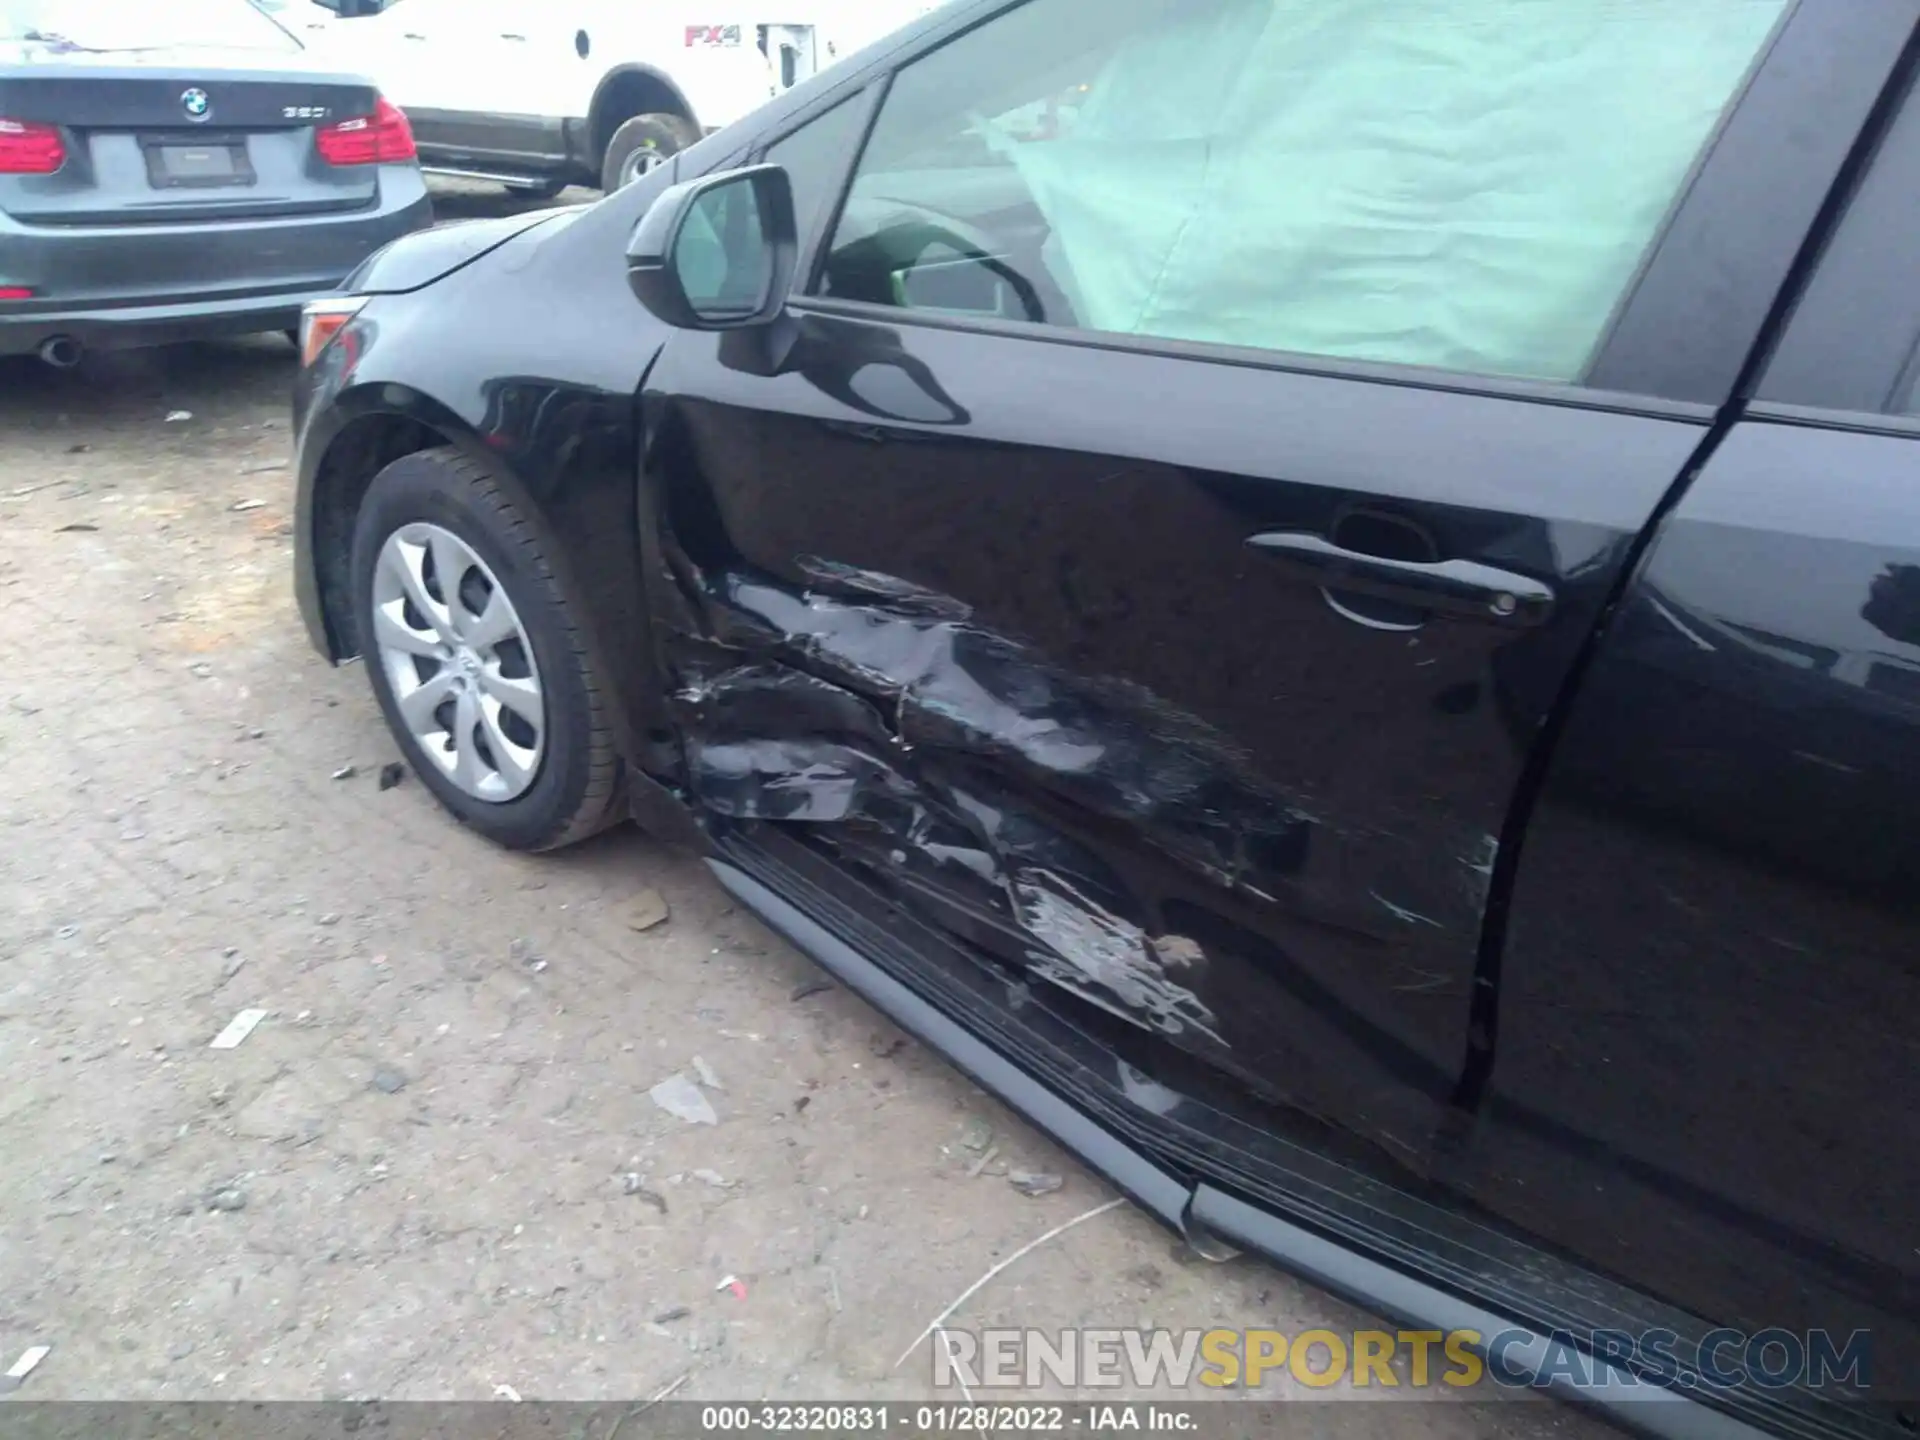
[[459, 662], [639, 163]]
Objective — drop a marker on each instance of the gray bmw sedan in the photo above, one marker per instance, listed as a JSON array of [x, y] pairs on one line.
[[181, 170]]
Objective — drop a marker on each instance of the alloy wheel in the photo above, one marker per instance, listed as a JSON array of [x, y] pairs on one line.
[[459, 662]]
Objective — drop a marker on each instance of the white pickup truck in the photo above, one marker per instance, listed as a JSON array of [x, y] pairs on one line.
[[541, 94]]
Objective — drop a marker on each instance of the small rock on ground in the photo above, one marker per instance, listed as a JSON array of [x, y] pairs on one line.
[[646, 910], [1034, 1183]]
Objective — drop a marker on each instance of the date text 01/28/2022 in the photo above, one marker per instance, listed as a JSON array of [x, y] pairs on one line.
[[945, 1419]]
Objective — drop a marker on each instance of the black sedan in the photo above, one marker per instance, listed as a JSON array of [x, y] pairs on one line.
[[180, 170], [1326, 597]]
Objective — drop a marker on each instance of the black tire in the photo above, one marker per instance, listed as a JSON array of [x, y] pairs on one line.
[[664, 135], [579, 787], [538, 189]]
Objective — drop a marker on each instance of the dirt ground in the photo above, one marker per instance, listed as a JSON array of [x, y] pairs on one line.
[[434, 1169]]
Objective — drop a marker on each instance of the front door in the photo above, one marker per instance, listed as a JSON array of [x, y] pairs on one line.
[[517, 75], [1180, 504]]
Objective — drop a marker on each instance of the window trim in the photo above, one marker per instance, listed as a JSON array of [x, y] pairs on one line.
[[1372, 372], [1889, 425], [1755, 201], [1624, 303], [1849, 346], [1680, 338], [871, 94]]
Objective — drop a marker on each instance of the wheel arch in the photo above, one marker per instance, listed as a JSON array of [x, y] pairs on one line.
[[610, 614], [627, 91], [360, 449]]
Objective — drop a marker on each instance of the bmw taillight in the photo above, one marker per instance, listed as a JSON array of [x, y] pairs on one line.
[[382, 138], [30, 148]]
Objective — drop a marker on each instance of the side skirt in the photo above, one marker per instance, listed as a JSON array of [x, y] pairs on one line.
[[1015, 1049]]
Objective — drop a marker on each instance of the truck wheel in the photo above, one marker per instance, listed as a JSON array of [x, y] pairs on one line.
[[640, 145], [475, 658]]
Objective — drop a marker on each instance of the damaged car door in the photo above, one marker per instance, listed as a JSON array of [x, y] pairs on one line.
[[1149, 540]]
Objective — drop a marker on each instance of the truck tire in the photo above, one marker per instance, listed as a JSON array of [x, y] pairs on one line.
[[640, 144]]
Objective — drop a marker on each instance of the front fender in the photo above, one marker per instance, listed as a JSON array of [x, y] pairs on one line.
[[565, 451], [425, 256]]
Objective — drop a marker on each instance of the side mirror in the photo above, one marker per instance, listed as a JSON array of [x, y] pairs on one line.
[[352, 9], [717, 253]]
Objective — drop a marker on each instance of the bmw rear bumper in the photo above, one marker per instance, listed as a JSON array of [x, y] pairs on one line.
[[116, 286]]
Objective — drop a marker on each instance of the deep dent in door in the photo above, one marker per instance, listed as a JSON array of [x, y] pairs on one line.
[[1014, 742], [992, 792], [917, 736]]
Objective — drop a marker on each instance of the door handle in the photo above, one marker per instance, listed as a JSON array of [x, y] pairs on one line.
[[1465, 589], [410, 35], [504, 35]]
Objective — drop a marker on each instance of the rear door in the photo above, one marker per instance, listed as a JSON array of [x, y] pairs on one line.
[[509, 73], [1717, 915], [1207, 440]]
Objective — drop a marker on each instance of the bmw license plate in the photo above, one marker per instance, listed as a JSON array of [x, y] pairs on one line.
[[205, 164]]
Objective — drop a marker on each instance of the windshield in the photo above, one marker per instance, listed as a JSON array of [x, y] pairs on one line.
[[122, 25]]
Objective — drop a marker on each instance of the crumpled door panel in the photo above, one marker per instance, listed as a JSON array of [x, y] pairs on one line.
[[975, 779], [1010, 652]]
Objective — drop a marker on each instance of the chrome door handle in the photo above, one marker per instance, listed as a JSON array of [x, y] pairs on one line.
[[1464, 589]]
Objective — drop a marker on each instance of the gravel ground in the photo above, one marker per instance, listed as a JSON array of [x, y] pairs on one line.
[[434, 1168]]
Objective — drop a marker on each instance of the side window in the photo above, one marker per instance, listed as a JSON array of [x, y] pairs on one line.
[[1471, 185], [815, 158]]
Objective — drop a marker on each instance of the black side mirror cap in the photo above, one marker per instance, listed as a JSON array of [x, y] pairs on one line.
[[770, 248], [352, 9]]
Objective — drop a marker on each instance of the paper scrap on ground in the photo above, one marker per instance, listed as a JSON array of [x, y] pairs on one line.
[[680, 1097], [237, 1030], [29, 1358]]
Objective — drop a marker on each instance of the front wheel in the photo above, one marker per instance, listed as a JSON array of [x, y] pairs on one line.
[[641, 144], [477, 664]]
